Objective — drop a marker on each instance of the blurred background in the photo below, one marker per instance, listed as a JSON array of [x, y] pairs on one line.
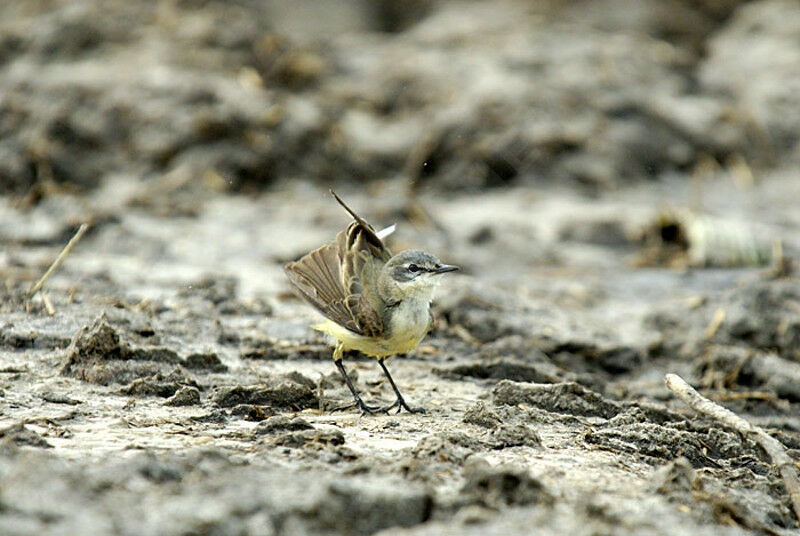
[[248, 95], [162, 104], [540, 145]]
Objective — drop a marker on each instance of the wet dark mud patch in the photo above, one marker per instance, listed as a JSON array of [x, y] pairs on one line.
[[366, 505], [216, 289], [544, 360], [221, 292]]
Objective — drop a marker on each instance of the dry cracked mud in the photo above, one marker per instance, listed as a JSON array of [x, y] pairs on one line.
[[614, 193]]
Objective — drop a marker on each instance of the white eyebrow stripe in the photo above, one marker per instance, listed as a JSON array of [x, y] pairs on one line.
[[383, 233]]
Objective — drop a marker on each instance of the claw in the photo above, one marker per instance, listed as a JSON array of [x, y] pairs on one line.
[[401, 405], [360, 404]]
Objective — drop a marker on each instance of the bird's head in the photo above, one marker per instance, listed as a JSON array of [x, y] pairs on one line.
[[412, 274]]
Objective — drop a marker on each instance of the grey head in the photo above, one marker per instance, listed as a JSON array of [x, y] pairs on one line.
[[412, 274], [414, 264]]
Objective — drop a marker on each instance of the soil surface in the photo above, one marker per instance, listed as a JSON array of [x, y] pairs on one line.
[[619, 185]]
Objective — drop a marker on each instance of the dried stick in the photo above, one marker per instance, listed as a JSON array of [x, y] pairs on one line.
[[64, 252], [773, 447], [47, 305]]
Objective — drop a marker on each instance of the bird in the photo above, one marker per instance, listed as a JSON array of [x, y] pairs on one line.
[[373, 301]]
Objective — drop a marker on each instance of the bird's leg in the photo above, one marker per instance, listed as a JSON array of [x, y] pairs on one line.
[[400, 403], [337, 358]]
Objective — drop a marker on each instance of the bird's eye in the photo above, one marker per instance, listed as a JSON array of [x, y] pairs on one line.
[[413, 268]]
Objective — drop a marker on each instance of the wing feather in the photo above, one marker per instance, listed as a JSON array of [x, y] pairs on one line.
[[317, 278], [339, 279]]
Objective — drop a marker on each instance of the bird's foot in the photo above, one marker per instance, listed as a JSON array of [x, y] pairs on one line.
[[401, 405], [360, 404]]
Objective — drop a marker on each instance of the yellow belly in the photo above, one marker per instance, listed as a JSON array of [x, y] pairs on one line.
[[400, 342]]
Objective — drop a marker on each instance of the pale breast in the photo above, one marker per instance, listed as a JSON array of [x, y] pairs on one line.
[[408, 325]]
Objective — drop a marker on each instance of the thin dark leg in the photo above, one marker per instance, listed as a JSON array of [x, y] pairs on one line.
[[357, 399], [400, 403]]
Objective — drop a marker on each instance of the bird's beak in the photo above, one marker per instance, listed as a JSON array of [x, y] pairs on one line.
[[444, 268]]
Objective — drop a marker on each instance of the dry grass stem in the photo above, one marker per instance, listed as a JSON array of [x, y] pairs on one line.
[[64, 252]]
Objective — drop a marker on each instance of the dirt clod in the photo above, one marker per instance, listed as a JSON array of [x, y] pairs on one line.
[[481, 415], [185, 396], [20, 435], [567, 398], [162, 385], [309, 437], [515, 435], [205, 361], [98, 354], [287, 394], [282, 423], [496, 487]]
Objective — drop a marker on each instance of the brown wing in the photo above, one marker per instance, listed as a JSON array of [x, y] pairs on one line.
[[338, 278], [317, 277]]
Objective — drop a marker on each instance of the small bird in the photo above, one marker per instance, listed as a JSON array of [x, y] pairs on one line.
[[373, 301]]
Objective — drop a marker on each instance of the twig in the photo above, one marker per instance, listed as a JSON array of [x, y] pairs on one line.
[[773, 448], [64, 252], [48, 305], [714, 325]]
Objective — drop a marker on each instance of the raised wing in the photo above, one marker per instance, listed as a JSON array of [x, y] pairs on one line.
[[339, 278]]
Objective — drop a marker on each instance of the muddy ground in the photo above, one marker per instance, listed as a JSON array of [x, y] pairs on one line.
[[620, 187]]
